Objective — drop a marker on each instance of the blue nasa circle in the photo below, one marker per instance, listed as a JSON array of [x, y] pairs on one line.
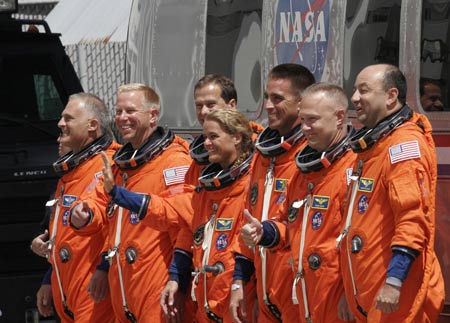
[[317, 220], [363, 204], [222, 242], [65, 218], [134, 218], [301, 34]]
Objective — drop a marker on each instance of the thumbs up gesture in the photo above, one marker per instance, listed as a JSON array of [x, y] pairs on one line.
[[252, 231], [80, 214]]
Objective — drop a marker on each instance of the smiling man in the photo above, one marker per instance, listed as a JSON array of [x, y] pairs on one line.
[[312, 210], [273, 167], [79, 285], [152, 160], [389, 267]]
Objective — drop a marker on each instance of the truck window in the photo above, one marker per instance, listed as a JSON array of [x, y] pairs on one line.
[[434, 59], [28, 86], [371, 36], [49, 103]]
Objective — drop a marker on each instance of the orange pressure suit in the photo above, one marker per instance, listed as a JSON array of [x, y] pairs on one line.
[[217, 221], [77, 257], [313, 211], [144, 253], [276, 166], [394, 186]]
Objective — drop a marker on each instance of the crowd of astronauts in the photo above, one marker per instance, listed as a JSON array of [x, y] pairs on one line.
[[306, 220]]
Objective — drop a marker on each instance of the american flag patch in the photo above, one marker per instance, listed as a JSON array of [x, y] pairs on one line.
[[404, 151], [175, 175]]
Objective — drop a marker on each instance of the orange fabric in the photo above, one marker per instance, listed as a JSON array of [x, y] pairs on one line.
[[85, 254], [278, 263], [324, 286], [257, 129], [229, 214], [193, 173], [395, 206], [145, 278], [172, 207]]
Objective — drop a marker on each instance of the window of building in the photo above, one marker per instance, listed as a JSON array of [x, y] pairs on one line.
[[371, 36], [434, 82]]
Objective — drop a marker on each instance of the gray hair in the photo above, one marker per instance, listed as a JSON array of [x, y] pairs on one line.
[[97, 108]]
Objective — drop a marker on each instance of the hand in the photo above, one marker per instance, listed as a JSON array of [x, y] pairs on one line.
[[172, 302], [80, 215], [251, 232], [108, 177], [387, 298], [39, 245], [98, 286], [44, 300], [238, 307], [344, 312]]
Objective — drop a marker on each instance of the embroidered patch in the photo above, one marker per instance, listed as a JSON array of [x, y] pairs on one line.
[[199, 235], [175, 175], [365, 184], [254, 194], [65, 218], [281, 198], [134, 218], [317, 220], [404, 151], [224, 224], [363, 204], [68, 200], [280, 185], [222, 242], [320, 202]]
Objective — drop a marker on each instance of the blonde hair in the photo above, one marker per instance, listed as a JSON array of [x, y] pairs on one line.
[[234, 122], [151, 98], [333, 91]]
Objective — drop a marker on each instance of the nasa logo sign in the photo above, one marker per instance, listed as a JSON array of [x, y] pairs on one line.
[[65, 218], [317, 220], [134, 218], [301, 34], [363, 204], [222, 242]]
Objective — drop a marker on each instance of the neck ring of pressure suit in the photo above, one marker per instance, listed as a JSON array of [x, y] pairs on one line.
[[71, 160], [129, 158], [213, 177], [270, 144], [366, 138], [198, 151], [310, 160]]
